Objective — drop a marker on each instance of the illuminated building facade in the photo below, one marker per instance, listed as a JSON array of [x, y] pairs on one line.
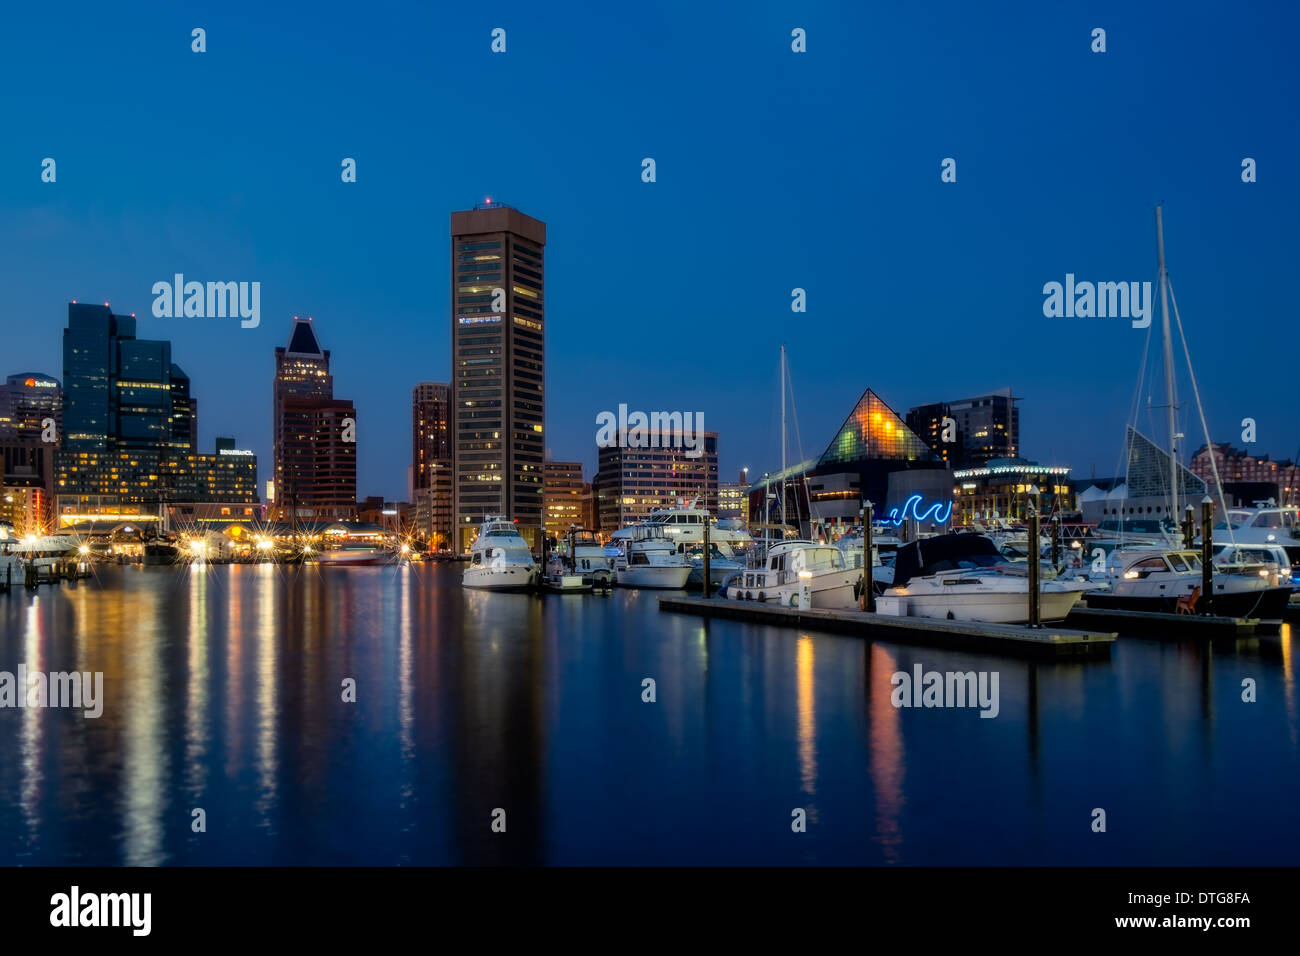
[[498, 392], [1001, 489], [27, 401], [630, 483], [984, 428], [431, 488], [874, 456], [315, 469], [562, 497]]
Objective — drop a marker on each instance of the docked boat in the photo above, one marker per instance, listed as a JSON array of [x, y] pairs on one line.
[[684, 527], [353, 554], [779, 581], [160, 551], [1265, 524], [500, 559], [646, 558], [1169, 580], [966, 577], [585, 555]]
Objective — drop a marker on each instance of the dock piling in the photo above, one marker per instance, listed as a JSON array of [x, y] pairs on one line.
[[1207, 557]]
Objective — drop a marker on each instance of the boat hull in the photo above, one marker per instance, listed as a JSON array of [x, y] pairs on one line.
[[514, 578], [1268, 605], [663, 577], [990, 608], [352, 560]]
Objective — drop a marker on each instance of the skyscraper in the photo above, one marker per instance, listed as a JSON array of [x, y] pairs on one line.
[[498, 369], [315, 449], [431, 461], [130, 429]]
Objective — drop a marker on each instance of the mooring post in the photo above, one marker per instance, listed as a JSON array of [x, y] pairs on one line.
[[868, 572], [1056, 541], [1207, 556], [1189, 527], [706, 553], [1035, 609]]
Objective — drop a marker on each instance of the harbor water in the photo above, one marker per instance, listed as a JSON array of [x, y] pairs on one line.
[[513, 728]]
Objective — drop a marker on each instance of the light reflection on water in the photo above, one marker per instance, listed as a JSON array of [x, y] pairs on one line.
[[224, 690]]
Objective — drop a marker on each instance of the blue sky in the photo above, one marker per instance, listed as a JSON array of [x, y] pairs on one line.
[[775, 170]]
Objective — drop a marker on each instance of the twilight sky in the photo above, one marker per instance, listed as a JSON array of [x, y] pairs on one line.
[[775, 170]]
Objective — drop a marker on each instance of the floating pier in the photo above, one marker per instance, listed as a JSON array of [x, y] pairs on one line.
[[1048, 641], [1177, 627]]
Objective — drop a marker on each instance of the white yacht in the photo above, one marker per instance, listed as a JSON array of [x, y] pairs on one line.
[[1155, 580], [646, 558], [965, 577], [583, 554], [500, 559], [1266, 523], [729, 546], [778, 581]]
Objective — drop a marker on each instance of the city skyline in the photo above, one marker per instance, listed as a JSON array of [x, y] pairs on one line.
[[637, 309]]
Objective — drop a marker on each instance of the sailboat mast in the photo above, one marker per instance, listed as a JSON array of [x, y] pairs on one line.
[[1169, 367], [783, 520]]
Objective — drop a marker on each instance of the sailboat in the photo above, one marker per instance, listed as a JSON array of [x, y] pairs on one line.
[[1157, 574], [788, 566]]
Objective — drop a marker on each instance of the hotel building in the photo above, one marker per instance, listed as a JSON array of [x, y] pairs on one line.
[[562, 497], [498, 395], [987, 427], [630, 483]]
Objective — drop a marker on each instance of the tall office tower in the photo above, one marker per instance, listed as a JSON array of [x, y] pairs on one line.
[[130, 426], [27, 401], [430, 435], [498, 369], [431, 461], [315, 464]]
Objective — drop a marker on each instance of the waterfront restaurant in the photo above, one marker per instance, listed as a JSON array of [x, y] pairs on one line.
[[1001, 489]]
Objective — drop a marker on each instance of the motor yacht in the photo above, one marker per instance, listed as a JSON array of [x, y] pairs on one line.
[[1155, 579], [647, 558], [965, 577], [500, 559], [779, 581]]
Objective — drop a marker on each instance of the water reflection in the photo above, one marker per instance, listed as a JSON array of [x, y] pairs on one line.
[[224, 690]]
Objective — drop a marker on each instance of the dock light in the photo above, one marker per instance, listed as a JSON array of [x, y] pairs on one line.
[[196, 547], [263, 544], [406, 549], [306, 549], [1076, 544], [84, 549]]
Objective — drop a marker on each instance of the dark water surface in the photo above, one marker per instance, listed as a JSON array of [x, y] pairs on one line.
[[223, 691]]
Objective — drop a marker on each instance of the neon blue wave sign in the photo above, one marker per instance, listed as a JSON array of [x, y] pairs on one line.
[[938, 513]]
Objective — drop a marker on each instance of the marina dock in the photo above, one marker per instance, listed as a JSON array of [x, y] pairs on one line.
[[1178, 627], [1047, 641]]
